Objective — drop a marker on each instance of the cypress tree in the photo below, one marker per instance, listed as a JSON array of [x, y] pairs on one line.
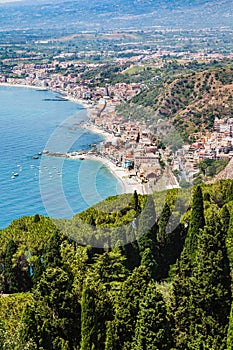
[[38, 269], [147, 226], [147, 240], [89, 325], [149, 261], [96, 312], [230, 331], [36, 218], [29, 325], [1, 335], [210, 289], [202, 293], [229, 193], [135, 201], [109, 343], [163, 221], [11, 273], [131, 252], [127, 308], [229, 241], [180, 301], [131, 249], [52, 256], [225, 218], [197, 222], [153, 330]]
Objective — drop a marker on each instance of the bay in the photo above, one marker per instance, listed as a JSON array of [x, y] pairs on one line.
[[31, 121]]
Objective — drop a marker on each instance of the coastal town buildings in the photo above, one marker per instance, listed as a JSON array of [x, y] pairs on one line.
[[133, 146]]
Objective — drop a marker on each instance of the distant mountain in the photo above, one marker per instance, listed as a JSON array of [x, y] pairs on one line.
[[118, 14]]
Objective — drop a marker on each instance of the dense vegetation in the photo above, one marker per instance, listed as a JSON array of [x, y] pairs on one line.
[[134, 272]]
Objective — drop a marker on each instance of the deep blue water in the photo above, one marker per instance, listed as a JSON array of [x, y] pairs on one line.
[[48, 186]]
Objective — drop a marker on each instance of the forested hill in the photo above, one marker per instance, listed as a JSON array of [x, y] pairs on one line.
[[157, 276], [191, 101]]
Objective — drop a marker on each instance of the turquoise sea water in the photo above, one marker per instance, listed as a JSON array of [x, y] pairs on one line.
[[49, 186]]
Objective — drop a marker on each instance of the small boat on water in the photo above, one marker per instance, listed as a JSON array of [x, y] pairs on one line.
[[14, 175], [39, 153], [35, 157]]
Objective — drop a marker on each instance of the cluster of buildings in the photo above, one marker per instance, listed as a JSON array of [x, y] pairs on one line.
[[131, 145], [47, 76], [214, 145]]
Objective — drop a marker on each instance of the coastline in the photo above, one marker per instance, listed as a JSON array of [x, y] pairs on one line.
[[129, 185], [24, 86]]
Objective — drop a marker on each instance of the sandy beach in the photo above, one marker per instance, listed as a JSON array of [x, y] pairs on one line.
[[129, 185]]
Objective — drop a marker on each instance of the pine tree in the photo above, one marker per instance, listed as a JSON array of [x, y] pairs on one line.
[[53, 322], [153, 330], [197, 222], [109, 269]]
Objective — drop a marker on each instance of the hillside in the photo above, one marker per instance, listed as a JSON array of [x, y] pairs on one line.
[[192, 101], [158, 283], [227, 173]]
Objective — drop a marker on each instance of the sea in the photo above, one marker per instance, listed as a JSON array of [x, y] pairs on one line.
[[32, 121]]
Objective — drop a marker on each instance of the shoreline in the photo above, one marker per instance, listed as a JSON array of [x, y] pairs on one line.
[[24, 86], [129, 185]]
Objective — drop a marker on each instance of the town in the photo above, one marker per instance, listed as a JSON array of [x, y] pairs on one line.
[[130, 144]]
